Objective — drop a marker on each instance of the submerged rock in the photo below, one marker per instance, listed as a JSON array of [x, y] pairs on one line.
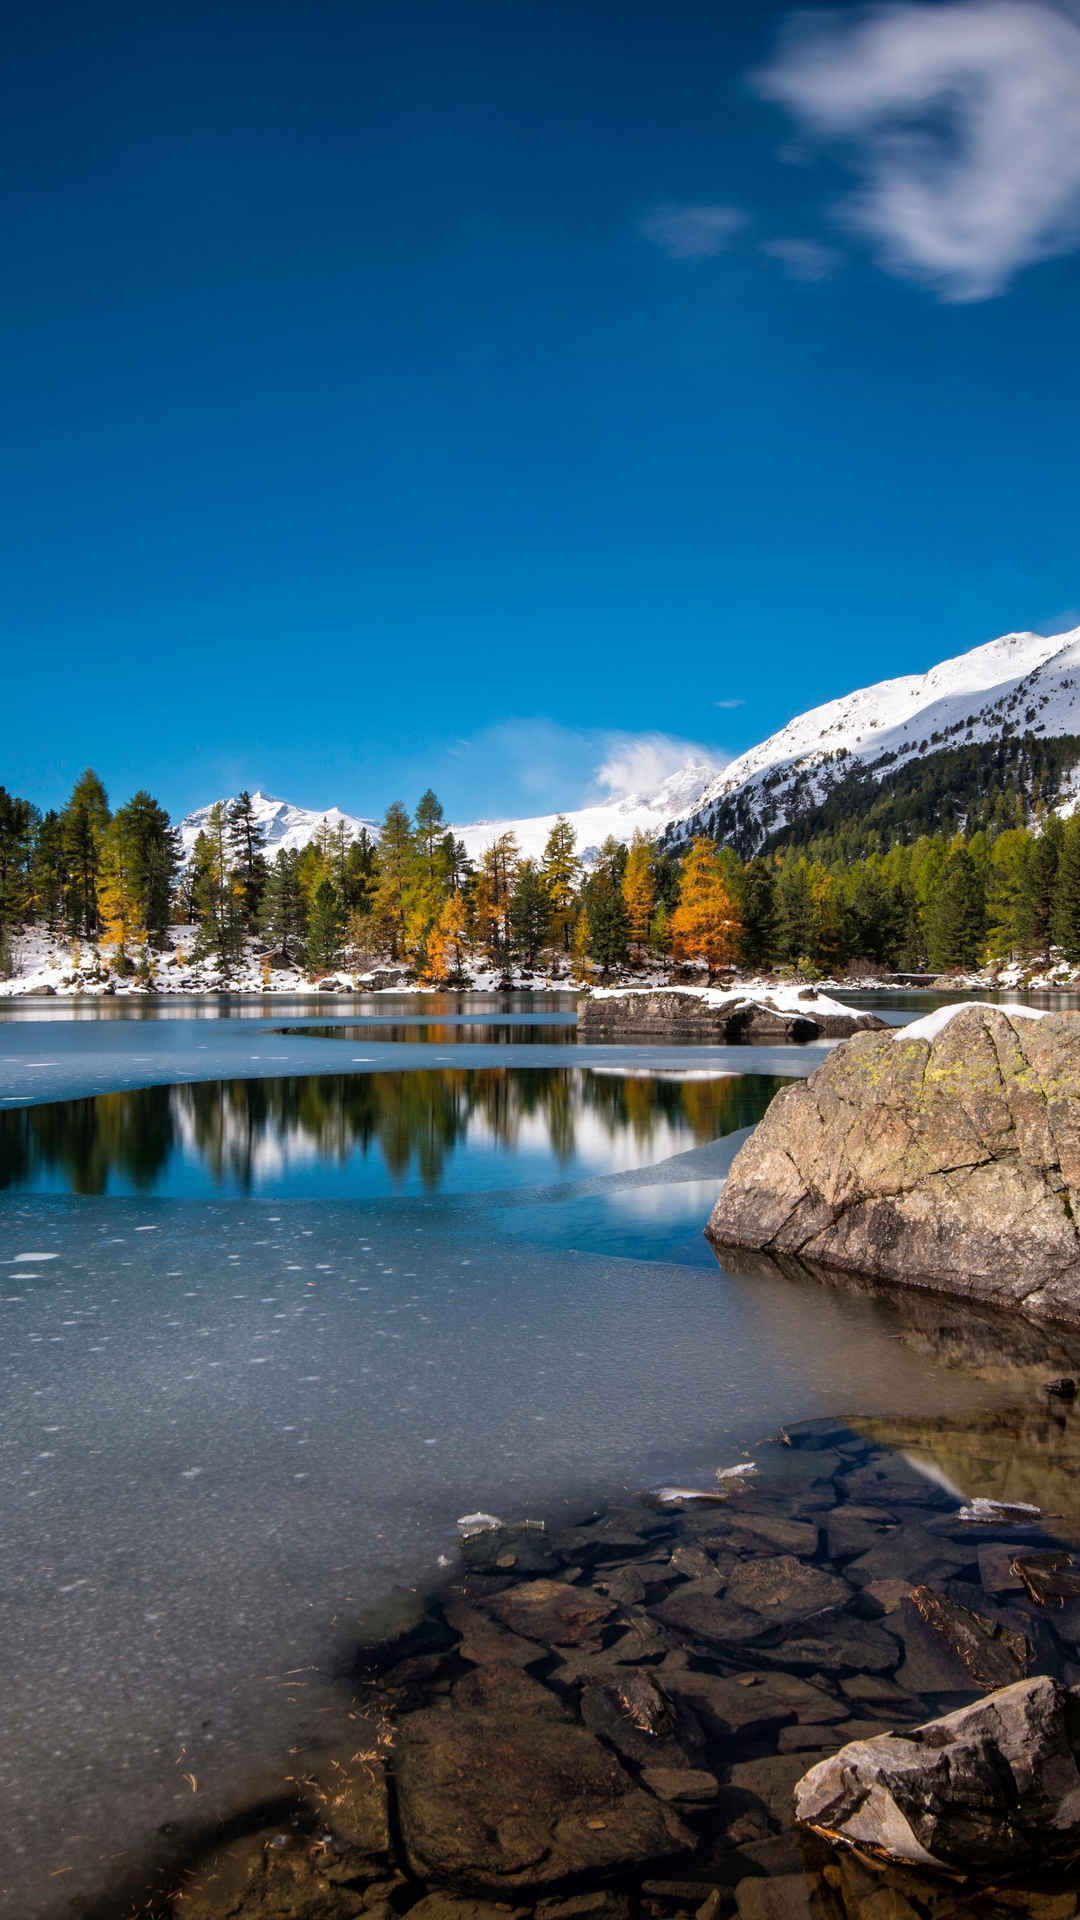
[[994, 1786], [947, 1158], [504, 1789]]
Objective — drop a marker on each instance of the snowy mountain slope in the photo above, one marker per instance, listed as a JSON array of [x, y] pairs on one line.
[[283, 824], [646, 813], [289, 826], [1019, 683]]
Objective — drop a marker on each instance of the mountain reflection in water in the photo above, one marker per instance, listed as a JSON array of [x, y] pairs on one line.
[[298, 1134]]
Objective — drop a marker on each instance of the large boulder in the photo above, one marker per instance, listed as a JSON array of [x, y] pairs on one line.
[[947, 1157], [994, 1786], [715, 1015]]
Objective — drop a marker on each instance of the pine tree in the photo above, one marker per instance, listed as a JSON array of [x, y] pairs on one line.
[[1005, 893], [491, 903], [18, 821], [608, 931], [705, 924], [48, 872], [84, 821], [390, 903], [430, 832], [956, 921], [794, 911], [247, 857], [560, 870], [639, 888], [324, 927], [1040, 888], [152, 855], [219, 902], [282, 920], [758, 908], [1066, 920], [529, 912]]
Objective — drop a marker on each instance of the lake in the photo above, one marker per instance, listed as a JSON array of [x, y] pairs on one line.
[[281, 1305]]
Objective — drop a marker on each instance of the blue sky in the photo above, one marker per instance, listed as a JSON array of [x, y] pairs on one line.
[[488, 395]]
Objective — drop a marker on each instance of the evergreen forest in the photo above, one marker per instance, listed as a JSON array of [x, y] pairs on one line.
[[967, 866]]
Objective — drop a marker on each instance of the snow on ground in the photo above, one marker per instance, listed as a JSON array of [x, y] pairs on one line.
[[931, 1024]]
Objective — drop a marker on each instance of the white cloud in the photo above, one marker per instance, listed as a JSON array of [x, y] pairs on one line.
[[965, 122], [803, 259], [727, 705], [638, 763], [520, 767], [691, 231]]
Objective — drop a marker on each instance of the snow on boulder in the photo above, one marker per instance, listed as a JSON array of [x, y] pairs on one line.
[[713, 1014]]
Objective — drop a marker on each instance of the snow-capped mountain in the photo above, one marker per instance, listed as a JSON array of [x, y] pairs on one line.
[[283, 824], [289, 826], [646, 813], [1020, 683]]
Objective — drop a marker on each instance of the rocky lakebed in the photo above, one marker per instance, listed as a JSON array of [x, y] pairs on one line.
[[612, 1719]]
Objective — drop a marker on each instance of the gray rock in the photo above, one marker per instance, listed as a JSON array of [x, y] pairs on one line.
[[951, 1163], [993, 1786], [674, 1015], [502, 1789]]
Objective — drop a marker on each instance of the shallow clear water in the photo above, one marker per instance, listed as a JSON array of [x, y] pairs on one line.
[[265, 1338]]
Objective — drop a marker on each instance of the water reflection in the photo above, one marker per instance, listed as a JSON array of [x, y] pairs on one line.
[[368, 1134]]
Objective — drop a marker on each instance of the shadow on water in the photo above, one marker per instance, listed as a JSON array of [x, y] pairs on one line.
[[238, 1135]]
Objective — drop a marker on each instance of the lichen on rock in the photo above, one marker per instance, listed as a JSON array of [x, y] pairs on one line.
[[950, 1162]]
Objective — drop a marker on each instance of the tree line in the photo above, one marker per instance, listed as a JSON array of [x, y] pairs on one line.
[[413, 896]]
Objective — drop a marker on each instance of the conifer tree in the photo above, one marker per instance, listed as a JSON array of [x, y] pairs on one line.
[[84, 819], [639, 888], [705, 925], [447, 941], [794, 910], [529, 912], [282, 919], [491, 902], [1005, 892], [430, 832], [18, 821], [955, 920], [1066, 920], [758, 909], [608, 932], [247, 857], [118, 894], [152, 855], [48, 873], [324, 927], [560, 870], [1040, 888], [581, 944], [220, 900], [390, 903]]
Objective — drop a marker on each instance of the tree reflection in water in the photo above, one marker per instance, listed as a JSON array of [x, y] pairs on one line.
[[415, 1119]]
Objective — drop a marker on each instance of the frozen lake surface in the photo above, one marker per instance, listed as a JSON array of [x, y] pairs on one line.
[[290, 1329]]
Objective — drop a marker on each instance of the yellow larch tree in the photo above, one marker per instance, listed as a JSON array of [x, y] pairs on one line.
[[447, 941], [705, 925], [638, 888]]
